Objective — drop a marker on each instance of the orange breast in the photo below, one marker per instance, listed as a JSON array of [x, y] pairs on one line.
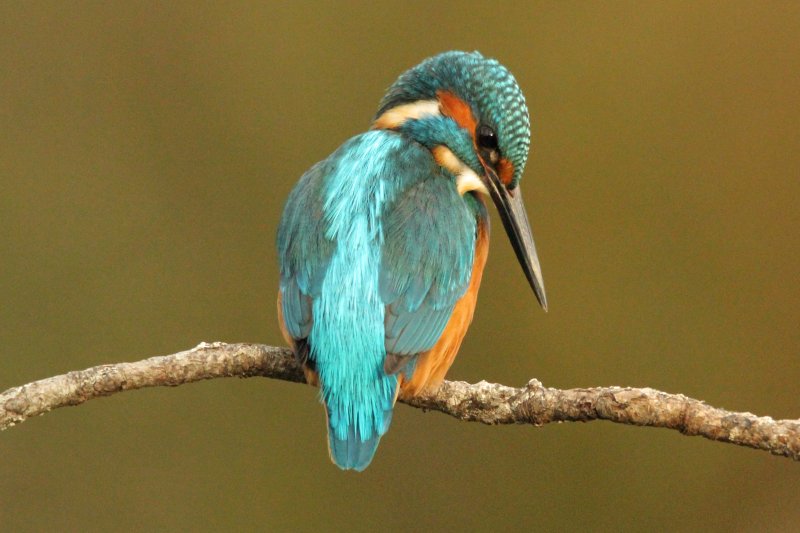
[[434, 364]]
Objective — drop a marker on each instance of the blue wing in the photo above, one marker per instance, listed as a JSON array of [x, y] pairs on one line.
[[427, 263], [304, 252]]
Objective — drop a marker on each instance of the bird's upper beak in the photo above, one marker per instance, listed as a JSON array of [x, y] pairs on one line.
[[515, 221]]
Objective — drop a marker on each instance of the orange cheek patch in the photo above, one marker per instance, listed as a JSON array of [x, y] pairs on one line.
[[505, 170], [457, 109]]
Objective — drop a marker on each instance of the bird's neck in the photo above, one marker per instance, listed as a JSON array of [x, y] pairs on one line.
[[451, 145]]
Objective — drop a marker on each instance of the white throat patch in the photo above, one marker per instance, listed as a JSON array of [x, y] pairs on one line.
[[466, 178]]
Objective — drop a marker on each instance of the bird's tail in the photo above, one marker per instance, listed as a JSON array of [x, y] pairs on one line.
[[352, 452], [354, 437]]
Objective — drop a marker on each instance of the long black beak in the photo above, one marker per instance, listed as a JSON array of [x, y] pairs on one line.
[[515, 221]]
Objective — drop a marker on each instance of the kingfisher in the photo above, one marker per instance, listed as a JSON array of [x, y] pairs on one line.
[[382, 245]]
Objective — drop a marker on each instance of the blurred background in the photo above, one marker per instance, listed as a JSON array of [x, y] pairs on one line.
[[146, 151]]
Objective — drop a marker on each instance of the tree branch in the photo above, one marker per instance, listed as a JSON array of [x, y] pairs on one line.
[[483, 402]]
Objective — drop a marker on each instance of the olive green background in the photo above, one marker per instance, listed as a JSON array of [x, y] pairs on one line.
[[146, 150]]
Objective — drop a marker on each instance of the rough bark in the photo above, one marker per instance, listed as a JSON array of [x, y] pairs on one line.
[[483, 402]]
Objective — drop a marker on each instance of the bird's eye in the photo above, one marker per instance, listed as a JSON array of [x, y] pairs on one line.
[[487, 138]]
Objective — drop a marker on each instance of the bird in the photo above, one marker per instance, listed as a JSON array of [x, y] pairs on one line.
[[382, 245]]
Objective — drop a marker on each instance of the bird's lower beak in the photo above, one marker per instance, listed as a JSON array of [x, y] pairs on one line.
[[515, 221]]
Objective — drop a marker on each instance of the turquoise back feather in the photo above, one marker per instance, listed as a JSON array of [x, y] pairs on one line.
[[376, 246]]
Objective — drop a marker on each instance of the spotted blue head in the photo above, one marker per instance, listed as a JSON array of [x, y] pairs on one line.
[[470, 112]]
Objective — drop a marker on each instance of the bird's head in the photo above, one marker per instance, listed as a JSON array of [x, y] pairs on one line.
[[471, 114]]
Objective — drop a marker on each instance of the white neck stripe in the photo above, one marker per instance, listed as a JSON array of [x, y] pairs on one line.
[[396, 116]]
